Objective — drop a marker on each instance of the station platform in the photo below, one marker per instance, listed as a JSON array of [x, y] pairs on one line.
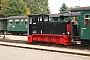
[[47, 48], [14, 37]]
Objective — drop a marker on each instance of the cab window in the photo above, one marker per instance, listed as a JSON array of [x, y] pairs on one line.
[[45, 18], [30, 21]]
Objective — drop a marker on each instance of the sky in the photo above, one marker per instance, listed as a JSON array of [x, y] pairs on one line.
[[55, 5]]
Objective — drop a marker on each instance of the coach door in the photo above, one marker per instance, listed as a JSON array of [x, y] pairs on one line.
[[4, 24], [85, 29]]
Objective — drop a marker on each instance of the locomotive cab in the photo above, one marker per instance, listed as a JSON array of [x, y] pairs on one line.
[[32, 23]]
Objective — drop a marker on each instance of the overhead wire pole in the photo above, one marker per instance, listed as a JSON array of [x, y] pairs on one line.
[[79, 3]]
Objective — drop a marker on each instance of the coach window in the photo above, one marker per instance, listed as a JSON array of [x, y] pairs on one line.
[[26, 21], [76, 20], [21, 22], [17, 21], [87, 19], [10, 22], [3, 22]]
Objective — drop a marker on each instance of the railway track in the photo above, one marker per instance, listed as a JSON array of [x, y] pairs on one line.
[[80, 47]]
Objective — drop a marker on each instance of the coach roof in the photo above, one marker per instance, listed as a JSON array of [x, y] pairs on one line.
[[81, 8], [3, 18], [16, 17]]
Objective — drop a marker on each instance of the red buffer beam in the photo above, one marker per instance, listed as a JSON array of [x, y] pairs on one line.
[[51, 38]]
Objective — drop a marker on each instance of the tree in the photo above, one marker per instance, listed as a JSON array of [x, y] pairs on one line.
[[48, 11], [28, 11], [15, 8], [64, 9], [2, 4], [37, 6]]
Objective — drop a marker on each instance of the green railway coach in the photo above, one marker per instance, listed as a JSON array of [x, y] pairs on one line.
[[83, 22], [17, 24]]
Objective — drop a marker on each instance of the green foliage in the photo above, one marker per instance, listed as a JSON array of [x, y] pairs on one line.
[[2, 4], [15, 8], [37, 6], [64, 9], [48, 11]]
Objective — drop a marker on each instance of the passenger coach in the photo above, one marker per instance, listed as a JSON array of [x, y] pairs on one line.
[[17, 25]]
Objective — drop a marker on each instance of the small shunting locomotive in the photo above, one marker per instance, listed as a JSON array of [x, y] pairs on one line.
[[72, 31]]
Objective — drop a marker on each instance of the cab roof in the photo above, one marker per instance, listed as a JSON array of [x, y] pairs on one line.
[[72, 14], [54, 15], [16, 17]]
